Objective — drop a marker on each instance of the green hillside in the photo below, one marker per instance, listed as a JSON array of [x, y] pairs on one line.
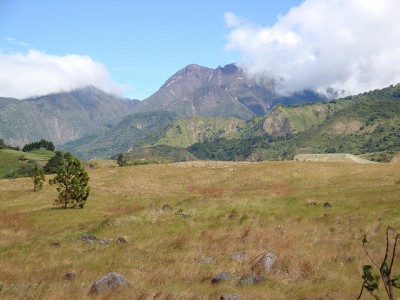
[[160, 154], [13, 162], [186, 132], [368, 123], [120, 137]]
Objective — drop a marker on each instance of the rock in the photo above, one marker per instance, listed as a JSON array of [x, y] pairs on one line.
[[89, 238], [69, 275], [327, 204], [230, 297], [105, 241], [265, 263], [108, 282], [206, 260], [224, 276], [182, 214], [240, 256], [122, 239], [251, 279], [167, 207], [55, 245]]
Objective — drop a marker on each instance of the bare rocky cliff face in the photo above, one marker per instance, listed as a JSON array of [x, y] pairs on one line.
[[221, 92]]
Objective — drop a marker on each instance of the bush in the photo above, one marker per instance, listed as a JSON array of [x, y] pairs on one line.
[[73, 183]]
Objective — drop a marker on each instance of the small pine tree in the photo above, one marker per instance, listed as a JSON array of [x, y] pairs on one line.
[[73, 183], [122, 160], [56, 162], [37, 175]]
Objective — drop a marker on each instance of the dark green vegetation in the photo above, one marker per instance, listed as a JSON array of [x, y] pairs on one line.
[[42, 144], [72, 183], [38, 178], [15, 163], [132, 129], [367, 124]]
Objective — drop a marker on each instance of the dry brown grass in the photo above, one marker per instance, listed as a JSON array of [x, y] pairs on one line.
[[252, 208]]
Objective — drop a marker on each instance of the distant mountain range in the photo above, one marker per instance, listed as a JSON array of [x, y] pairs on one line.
[[61, 117], [367, 124], [221, 92], [88, 113], [204, 113]]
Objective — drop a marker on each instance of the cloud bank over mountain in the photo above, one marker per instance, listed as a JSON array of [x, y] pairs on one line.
[[350, 45], [36, 73]]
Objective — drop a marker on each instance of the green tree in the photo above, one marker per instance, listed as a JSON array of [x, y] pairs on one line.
[[122, 160], [73, 183], [38, 178], [56, 162]]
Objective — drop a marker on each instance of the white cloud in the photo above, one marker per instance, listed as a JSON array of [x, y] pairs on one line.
[[17, 42], [36, 73], [351, 45]]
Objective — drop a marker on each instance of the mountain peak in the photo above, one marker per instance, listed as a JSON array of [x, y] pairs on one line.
[[229, 69]]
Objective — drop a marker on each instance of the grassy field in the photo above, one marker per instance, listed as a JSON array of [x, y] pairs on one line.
[[11, 160], [234, 207]]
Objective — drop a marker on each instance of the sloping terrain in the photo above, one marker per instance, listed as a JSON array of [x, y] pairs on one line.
[[119, 138], [237, 212], [152, 129], [367, 124], [12, 161], [60, 117], [221, 92], [332, 157]]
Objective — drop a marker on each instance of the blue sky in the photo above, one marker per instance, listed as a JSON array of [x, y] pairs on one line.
[[141, 43], [132, 47]]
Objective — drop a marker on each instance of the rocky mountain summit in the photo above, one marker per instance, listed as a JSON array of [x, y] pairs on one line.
[[222, 92]]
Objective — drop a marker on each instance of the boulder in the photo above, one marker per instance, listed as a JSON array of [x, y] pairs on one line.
[[251, 279], [122, 239], [239, 257], [69, 275], [108, 282], [105, 241], [205, 260], [327, 205], [89, 238], [224, 276], [230, 297], [167, 207], [265, 263]]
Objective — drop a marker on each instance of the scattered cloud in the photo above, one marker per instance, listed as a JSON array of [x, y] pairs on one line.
[[17, 42], [350, 45], [36, 73]]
